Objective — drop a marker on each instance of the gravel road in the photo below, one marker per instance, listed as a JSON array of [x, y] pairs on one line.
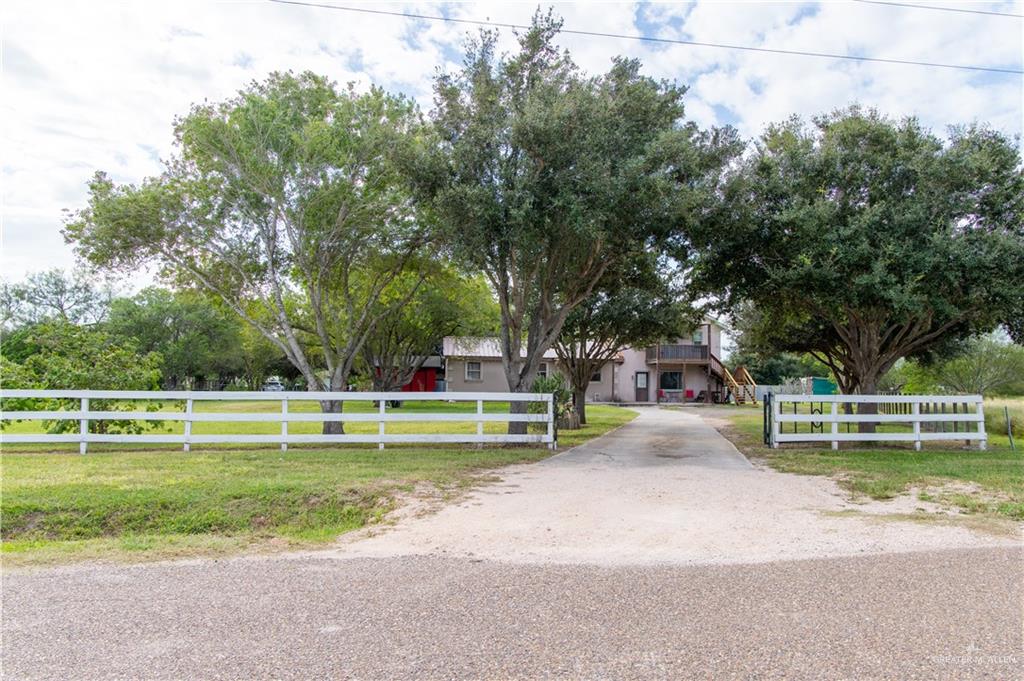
[[655, 552], [950, 614]]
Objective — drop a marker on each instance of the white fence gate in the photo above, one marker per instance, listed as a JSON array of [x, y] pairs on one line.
[[899, 418], [382, 416]]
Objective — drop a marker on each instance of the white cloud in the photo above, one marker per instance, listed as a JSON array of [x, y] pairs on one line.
[[97, 85]]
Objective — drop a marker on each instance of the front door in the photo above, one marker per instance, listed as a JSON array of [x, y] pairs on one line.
[[641, 386]]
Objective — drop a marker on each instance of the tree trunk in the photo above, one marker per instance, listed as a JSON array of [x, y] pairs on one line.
[[337, 384], [517, 427], [332, 407], [868, 386], [519, 384], [579, 400]]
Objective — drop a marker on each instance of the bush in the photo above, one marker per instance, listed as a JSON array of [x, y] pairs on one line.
[[554, 384], [73, 357]]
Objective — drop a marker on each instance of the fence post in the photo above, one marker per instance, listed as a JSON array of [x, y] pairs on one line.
[[1009, 427], [83, 427], [188, 426], [835, 424], [776, 413], [916, 410], [983, 442], [284, 424], [967, 427], [480, 424], [552, 443], [380, 423]]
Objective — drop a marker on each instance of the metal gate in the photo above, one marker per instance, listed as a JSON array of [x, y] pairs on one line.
[[767, 429]]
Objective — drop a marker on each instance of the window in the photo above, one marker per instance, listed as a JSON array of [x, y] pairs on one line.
[[473, 372], [542, 371], [596, 378], [698, 337], [671, 380]]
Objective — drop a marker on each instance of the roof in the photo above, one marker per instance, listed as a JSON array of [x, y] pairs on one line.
[[475, 346]]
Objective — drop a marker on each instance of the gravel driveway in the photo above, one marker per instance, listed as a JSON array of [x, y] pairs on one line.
[[666, 488], [654, 552]]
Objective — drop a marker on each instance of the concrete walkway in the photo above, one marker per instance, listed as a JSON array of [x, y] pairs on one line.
[[666, 488]]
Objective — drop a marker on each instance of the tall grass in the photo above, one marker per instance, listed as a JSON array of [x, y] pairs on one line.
[[996, 412]]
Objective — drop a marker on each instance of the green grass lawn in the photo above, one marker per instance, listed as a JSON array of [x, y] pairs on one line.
[[989, 482], [160, 502]]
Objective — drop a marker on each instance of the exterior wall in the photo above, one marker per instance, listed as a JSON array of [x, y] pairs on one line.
[[423, 381], [492, 376], [601, 391], [716, 341], [633, 360], [696, 379]]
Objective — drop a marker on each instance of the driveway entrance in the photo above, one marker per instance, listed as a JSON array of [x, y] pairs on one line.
[[665, 488]]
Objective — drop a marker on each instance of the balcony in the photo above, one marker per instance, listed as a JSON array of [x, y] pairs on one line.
[[678, 354]]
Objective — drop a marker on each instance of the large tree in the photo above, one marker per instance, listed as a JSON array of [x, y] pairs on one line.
[[862, 240], [287, 203], [547, 177], [637, 303], [420, 310]]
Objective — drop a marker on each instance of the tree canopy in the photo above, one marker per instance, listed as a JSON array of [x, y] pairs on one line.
[[420, 310], [66, 356], [862, 240], [286, 202], [546, 177], [74, 297], [195, 338], [636, 303]]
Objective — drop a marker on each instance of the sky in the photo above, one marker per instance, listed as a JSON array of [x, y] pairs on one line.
[[96, 85]]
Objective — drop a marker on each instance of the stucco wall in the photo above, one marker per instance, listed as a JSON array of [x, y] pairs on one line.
[[716, 341], [492, 377], [633, 360], [601, 391]]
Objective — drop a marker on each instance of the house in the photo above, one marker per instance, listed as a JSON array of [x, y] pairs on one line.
[[474, 365], [679, 370]]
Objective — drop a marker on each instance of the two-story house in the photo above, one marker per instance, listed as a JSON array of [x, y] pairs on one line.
[[680, 370]]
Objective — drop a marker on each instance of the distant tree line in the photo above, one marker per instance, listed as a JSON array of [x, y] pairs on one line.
[[64, 330]]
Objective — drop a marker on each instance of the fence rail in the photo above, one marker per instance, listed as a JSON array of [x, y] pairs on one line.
[[925, 415], [84, 415]]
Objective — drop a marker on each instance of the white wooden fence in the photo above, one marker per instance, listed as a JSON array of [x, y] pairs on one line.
[[924, 418], [382, 416]]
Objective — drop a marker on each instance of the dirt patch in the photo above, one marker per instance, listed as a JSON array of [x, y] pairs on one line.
[[997, 527]]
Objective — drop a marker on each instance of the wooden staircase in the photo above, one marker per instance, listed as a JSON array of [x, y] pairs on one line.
[[740, 384]]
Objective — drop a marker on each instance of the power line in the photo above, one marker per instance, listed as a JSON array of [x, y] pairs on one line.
[[942, 9], [651, 39]]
